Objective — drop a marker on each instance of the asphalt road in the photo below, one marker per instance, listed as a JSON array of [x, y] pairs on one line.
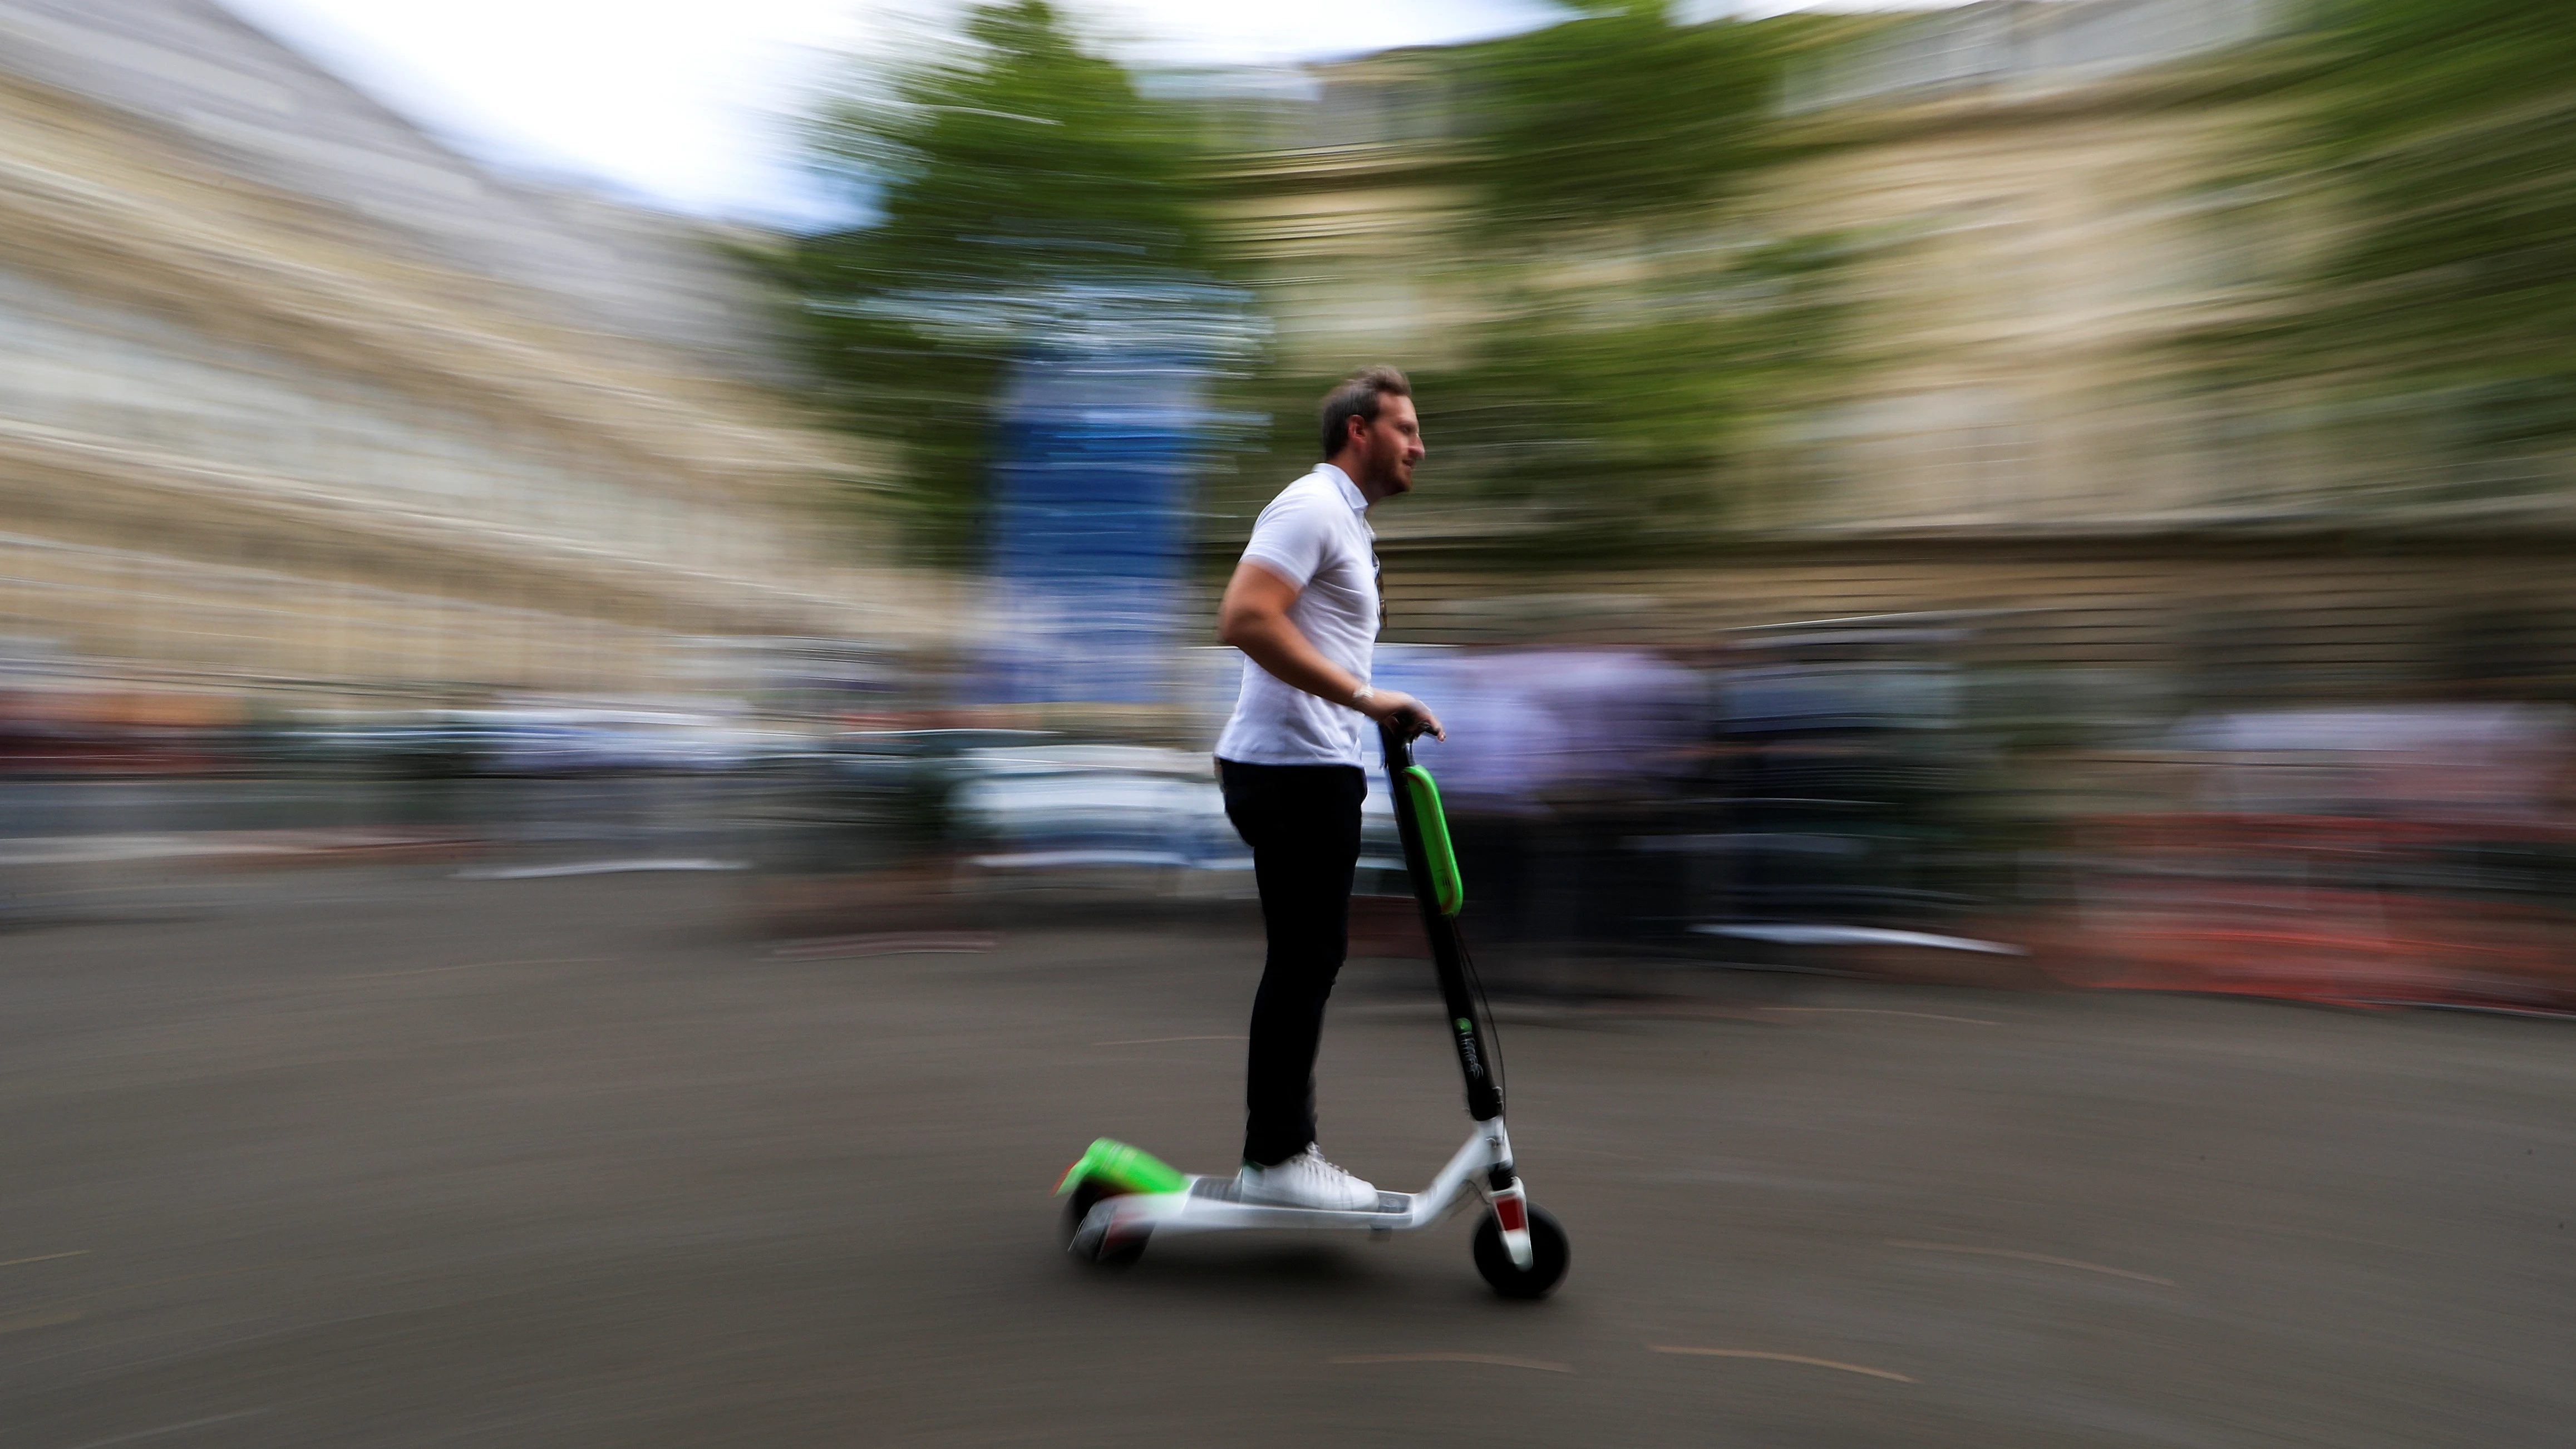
[[382, 1157]]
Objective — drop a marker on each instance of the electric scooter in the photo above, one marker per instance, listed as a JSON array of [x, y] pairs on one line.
[[1121, 1197]]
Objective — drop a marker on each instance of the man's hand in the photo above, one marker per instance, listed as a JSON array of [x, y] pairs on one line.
[[1397, 707]]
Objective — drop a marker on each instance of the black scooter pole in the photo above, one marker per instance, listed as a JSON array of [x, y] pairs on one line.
[[1448, 961]]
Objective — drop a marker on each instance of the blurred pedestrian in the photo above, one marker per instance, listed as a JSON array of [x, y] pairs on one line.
[[1303, 607]]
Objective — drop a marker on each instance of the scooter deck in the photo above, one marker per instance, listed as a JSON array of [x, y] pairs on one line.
[[1214, 1205], [1227, 1189], [1211, 1203]]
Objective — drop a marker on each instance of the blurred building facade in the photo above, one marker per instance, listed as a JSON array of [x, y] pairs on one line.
[[297, 402], [2054, 197]]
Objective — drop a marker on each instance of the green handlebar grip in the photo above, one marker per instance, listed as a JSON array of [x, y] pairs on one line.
[[1128, 1169], [1434, 828]]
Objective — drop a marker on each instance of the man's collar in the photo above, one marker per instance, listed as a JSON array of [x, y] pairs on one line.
[[1351, 493]]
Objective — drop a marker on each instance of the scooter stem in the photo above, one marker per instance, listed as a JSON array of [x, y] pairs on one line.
[[1448, 961], [1502, 1184]]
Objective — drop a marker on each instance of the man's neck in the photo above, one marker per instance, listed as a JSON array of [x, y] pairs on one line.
[[1354, 470]]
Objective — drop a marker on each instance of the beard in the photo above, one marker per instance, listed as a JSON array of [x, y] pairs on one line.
[[1387, 475]]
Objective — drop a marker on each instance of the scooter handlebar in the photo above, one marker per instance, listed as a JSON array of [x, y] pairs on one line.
[[1396, 736]]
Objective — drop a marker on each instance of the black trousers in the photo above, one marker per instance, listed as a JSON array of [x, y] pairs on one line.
[[1303, 824]]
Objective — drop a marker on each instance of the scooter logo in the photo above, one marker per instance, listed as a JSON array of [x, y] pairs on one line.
[[1463, 1025], [1467, 1047]]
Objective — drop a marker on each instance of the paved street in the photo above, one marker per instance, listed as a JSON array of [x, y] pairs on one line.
[[375, 1156]]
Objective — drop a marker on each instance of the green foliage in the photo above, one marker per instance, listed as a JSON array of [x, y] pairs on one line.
[[2447, 128], [1016, 179], [1620, 115], [1007, 172], [1614, 420], [1643, 329]]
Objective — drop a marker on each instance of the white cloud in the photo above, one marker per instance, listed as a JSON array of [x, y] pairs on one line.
[[1183, 33]]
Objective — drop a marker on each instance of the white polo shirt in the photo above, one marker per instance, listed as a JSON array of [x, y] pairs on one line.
[[1315, 534]]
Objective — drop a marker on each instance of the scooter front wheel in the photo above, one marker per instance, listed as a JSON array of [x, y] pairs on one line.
[[1549, 1255]]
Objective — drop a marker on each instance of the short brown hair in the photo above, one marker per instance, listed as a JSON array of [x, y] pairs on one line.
[[1357, 397]]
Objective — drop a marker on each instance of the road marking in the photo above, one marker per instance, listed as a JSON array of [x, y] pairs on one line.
[[1883, 1011], [45, 1257], [479, 966], [593, 867], [1849, 1368], [890, 943], [1861, 936], [1504, 1360], [165, 1282], [168, 1429], [2029, 1258], [37, 1320], [1155, 1040]]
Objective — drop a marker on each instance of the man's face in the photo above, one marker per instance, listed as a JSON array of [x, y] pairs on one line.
[[1390, 446]]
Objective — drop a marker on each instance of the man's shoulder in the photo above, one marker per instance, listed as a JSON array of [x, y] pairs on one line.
[[1304, 487], [1303, 498]]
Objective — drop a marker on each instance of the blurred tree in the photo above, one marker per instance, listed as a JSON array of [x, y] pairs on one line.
[[1619, 115], [1645, 327], [1638, 418], [2446, 132], [1010, 174]]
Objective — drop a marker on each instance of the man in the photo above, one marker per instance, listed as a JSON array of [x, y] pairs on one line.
[[1303, 607]]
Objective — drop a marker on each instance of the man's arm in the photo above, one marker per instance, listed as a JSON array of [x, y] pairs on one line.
[[1254, 618]]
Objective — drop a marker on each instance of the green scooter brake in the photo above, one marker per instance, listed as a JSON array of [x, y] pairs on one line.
[[1446, 888]]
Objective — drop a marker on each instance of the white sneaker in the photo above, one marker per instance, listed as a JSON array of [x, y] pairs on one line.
[[1308, 1181]]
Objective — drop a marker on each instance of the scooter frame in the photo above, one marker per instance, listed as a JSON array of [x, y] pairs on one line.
[[1122, 1223]]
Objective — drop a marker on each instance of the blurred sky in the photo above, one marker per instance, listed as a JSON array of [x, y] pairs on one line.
[[680, 102]]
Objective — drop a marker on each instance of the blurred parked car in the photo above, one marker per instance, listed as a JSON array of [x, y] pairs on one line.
[[1062, 807]]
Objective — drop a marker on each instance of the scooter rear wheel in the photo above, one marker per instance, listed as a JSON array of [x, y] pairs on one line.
[[1549, 1254], [1107, 1255]]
